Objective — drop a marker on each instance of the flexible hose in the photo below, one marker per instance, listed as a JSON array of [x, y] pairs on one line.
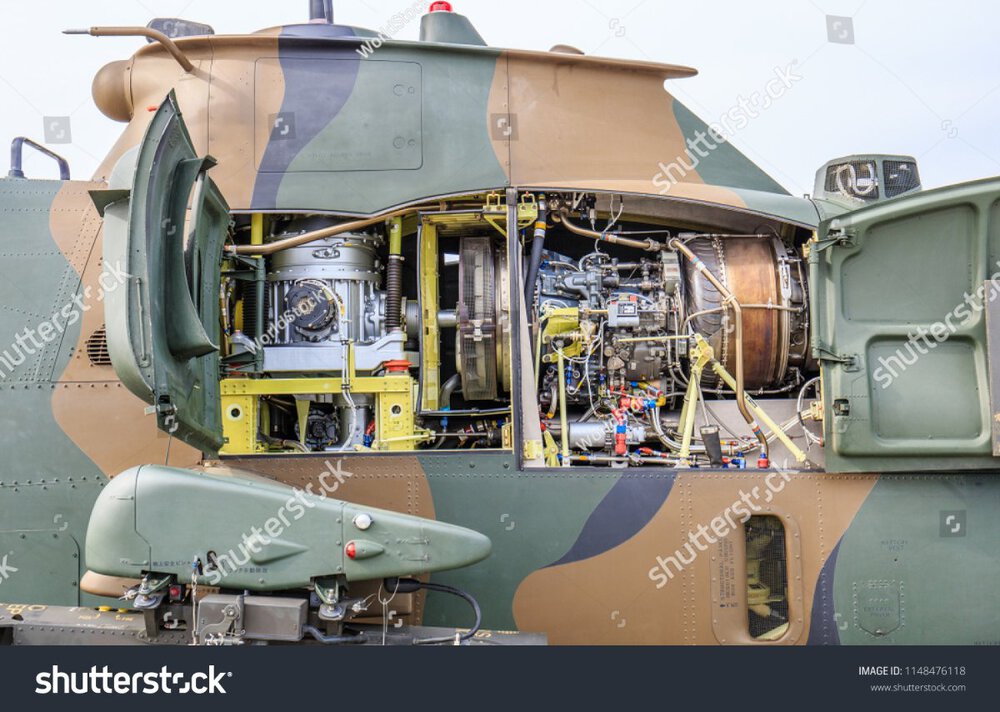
[[394, 293], [537, 247], [467, 635]]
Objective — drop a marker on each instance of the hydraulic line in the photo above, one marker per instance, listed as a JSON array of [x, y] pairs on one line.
[[648, 245], [730, 300], [313, 235], [408, 585], [448, 388], [537, 247], [776, 429]]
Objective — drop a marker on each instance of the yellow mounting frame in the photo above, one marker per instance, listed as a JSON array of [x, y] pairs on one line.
[[494, 212], [393, 403]]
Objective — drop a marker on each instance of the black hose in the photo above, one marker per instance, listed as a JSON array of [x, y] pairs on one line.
[[467, 635], [411, 585], [537, 247]]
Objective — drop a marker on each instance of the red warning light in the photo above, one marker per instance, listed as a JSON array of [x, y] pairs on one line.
[[351, 550], [440, 6]]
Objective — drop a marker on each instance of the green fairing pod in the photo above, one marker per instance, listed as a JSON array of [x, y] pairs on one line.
[[449, 28], [251, 533]]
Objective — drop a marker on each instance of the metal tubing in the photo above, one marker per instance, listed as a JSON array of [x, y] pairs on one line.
[[776, 429], [17, 150], [730, 300], [305, 238], [648, 245], [148, 32], [563, 418]]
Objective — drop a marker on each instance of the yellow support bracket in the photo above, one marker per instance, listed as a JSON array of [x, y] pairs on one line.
[[430, 339], [306, 386], [495, 211], [701, 355]]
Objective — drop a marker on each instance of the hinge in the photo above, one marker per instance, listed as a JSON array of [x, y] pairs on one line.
[[850, 362], [835, 237], [533, 450]]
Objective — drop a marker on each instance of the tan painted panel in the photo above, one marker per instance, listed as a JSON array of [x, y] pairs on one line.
[[593, 122], [395, 483], [95, 411], [152, 75], [565, 602], [235, 127]]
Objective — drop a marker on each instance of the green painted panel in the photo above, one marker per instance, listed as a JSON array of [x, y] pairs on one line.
[[922, 265], [903, 574], [37, 283], [898, 319], [920, 384], [456, 147], [725, 165], [163, 326], [360, 139], [43, 525], [532, 519]]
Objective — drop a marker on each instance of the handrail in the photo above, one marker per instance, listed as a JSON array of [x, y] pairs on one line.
[[17, 151]]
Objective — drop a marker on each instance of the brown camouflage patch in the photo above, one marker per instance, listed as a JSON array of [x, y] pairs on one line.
[[611, 598]]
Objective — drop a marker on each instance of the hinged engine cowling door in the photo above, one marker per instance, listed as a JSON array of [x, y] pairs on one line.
[[165, 224], [900, 291]]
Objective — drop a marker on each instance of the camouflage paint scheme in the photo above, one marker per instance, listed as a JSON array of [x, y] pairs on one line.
[[572, 549]]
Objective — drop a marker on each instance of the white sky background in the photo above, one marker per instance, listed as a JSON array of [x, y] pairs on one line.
[[921, 77]]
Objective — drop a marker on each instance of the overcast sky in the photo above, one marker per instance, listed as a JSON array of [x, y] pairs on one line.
[[891, 76]]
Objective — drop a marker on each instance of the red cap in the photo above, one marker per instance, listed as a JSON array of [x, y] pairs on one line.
[[440, 6], [399, 366]]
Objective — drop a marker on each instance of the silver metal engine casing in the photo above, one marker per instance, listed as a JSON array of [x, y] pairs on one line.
[[348, 267]]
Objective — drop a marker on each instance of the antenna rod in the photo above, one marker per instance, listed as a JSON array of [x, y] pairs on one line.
[[321, 11]]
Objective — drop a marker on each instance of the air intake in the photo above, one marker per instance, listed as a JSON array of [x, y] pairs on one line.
[[862, 179]]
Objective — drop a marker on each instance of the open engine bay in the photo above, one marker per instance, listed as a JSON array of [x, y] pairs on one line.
[[651, 342]]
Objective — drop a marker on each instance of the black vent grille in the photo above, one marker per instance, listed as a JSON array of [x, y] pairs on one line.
[[97, 348]]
